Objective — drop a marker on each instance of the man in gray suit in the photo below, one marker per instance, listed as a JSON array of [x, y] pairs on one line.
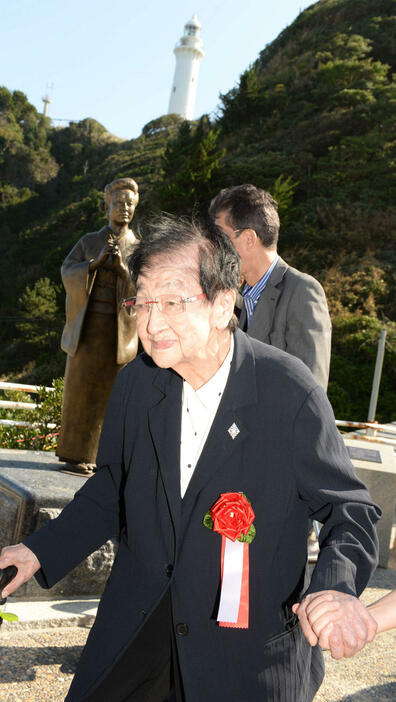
[[281, 305]]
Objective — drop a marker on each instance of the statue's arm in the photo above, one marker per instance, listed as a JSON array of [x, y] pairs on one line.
[[75, 270]]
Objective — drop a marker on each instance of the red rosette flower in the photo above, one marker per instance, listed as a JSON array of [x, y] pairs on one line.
[[233, 517]]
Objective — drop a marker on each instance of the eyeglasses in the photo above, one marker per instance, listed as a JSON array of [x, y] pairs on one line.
[[170, 305], [233, 231]]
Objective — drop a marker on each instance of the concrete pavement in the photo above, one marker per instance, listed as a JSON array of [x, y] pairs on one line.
[[39, 654]]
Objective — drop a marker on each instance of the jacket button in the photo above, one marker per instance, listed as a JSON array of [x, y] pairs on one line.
[[169, 569], [182, 629]]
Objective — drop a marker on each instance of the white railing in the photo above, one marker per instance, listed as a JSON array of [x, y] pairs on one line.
[[371, 431], [371, 427], [8, 404], [367, 425], [22, 388]]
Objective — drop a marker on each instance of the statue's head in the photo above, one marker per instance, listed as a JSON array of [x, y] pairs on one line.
[[121, 197]]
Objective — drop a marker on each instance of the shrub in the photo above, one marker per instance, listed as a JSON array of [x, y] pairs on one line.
[[38, 436]]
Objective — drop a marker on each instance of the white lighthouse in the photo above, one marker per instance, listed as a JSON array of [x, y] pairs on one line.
[[47, 101], [189, 52]]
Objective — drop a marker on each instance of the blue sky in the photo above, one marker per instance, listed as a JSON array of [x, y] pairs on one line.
[[114, 61]]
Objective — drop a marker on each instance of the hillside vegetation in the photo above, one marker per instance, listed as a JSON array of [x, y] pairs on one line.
[[312, 120]]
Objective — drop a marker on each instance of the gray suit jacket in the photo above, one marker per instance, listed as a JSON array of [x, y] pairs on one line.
[[292, 315]]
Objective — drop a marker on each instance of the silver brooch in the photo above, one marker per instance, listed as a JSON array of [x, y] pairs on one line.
[[233, 430]]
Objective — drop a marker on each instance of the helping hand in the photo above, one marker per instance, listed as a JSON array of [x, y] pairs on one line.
[[337, 621]]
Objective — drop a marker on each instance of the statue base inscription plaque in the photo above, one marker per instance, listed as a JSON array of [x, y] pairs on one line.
[[33, 489]]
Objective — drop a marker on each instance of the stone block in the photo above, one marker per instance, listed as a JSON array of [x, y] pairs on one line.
[[376, 466], [32, 491]]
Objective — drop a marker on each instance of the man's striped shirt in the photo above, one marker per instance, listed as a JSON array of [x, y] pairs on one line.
[[252, 294]]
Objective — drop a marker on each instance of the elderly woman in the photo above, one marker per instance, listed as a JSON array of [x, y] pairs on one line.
[[215, 451]]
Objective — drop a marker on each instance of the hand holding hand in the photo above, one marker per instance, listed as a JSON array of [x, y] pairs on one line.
[[24, 559], [337, 621], [111, 248], [118, 264], [101, 258]]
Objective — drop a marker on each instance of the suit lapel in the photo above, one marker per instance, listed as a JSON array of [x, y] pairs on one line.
[[165, 425], [242, 319], [228, 430], [263, 316]]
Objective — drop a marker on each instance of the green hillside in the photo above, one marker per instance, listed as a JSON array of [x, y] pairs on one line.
[[312, 120]]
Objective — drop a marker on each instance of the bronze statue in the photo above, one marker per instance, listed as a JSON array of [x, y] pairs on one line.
[[99, 336]]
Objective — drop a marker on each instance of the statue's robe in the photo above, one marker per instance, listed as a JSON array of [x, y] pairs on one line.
[[99, 338]]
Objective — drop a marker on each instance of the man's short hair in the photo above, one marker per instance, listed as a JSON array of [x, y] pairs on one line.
[[120, 184], [218, 261], [248, 207]]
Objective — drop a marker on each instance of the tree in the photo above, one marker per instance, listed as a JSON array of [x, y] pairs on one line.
[[40, 308], [191, 162]]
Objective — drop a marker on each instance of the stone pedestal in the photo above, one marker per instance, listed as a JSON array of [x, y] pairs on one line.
[[376, 466], [32, 491]]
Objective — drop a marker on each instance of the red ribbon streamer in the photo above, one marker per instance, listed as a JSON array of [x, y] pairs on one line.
[[243, 612]]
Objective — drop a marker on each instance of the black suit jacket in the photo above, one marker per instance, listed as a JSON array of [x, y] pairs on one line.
[[291, 463]]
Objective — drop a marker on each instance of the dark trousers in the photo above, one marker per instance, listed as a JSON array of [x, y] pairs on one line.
[[148, 670]]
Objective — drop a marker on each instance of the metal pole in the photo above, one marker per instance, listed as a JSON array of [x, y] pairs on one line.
[[377, 377]]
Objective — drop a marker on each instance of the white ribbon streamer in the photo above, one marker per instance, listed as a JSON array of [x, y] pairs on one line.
[[231, 583]]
